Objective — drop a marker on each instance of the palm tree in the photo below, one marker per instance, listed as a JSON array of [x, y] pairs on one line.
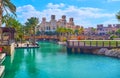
[[81, 30], [31, 25], [7, 20], [58, 30], [10, 21], [118, 15], [76, 31], [6, 6]]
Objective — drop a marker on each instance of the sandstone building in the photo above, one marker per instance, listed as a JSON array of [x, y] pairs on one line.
[[53, 24]]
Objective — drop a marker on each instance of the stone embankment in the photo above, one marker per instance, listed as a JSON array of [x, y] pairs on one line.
[[111, 53]]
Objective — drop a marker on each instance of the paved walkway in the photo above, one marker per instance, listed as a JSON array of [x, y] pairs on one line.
[[2, 68], [2, 57], [25, 45]]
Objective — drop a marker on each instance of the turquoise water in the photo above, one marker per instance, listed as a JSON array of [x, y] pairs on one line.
[[52, 61]]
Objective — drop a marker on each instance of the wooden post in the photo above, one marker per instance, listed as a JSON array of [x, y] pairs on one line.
[[67, 43], [73, 43], [103, 44], [78, 43], [116, 44], [96, 43], [90, 43], [109, 44], [84, 43]]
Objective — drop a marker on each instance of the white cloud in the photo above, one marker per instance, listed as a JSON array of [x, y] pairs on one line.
[[82, 15], [51, 5], [26, 12]]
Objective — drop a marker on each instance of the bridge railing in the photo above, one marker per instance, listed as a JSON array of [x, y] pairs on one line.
[[93, 43]]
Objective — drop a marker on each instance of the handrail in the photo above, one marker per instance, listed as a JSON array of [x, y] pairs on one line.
[[93, 43]]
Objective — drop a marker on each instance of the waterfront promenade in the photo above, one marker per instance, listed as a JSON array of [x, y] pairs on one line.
[[26, 45], [93, 44], [2, 68], [100, 47]]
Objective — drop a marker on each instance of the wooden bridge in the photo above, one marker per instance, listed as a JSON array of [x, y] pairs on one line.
[[42, 37], [77, 45]]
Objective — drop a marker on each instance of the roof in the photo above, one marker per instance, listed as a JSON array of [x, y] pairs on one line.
[[7, 29]]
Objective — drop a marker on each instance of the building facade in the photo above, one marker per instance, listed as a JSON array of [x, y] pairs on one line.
[[110, 28], [53, 24]]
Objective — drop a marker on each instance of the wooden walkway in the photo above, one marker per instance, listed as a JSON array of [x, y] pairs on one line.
[[93, 44]]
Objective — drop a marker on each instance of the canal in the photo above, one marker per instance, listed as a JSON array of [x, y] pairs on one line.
[[52, 61]]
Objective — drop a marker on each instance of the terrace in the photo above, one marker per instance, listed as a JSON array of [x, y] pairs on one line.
[[7, 39], [6, 35]]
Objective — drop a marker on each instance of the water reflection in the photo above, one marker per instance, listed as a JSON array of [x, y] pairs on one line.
[[52, 61], [14, 65]]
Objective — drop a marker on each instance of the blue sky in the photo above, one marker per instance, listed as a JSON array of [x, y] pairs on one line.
[[87, 13]]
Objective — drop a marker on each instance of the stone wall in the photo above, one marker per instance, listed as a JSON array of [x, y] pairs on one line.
[[8, 49], [102, 51]]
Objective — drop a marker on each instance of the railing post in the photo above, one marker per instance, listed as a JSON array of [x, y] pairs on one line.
[[73, 43], [103, 44], [90, 43], [67, 43], [109, 44], [78, 43], [8, 42], [96, 43], [116, 44], [84, 43]]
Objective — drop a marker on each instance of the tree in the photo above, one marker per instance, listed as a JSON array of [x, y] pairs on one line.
[[76, 31], [113, 36], [6, 6], [81, 30], [61, 31], [93, 30], [31, 25], [118, 32], [118, 15], [10, 21]]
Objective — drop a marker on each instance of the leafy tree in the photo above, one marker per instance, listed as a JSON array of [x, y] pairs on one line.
[[62, 31], [6, 6], [59, 31], [113, 36], [76, 31], [118, 32], [118, 15], [93, 30], [81, 30], [70, 31]]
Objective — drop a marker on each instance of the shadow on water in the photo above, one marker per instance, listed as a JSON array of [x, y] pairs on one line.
[[13, 65]]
